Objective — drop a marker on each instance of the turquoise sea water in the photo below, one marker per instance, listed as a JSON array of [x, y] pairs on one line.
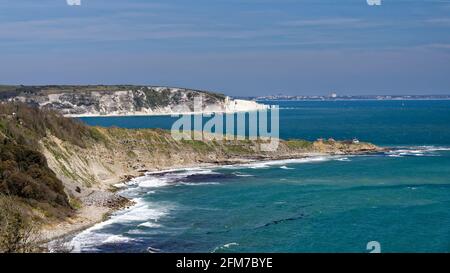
[[326, 204]]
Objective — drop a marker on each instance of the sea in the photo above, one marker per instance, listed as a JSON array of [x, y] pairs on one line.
[[395, 201]]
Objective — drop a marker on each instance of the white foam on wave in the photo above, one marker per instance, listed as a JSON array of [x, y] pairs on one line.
[[198, 184], [261, 165], [120, 185], [167, 178], [417, 151], [149, 224], [114, 239], [141, 212], [267, 164], [283, 162], [435, 148], [239, 174], [137, 232], [154, 182], [230, 245], [225, 246], [153, 250], [286, 168], [189, 170]]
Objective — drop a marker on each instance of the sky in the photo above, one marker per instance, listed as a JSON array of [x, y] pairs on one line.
[[236, 47]]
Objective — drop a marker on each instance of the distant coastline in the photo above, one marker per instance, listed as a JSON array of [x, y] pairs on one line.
[[335, 97]]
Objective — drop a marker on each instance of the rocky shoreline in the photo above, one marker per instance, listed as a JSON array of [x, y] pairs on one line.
[[109, 201]]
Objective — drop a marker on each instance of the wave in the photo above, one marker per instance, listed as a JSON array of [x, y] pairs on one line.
[[145, 211], [92, 243], [416, 151], [225, 246], [115, 239], [282, 162], [142, 212], [153, 182], [286, 168], [158, 179], [435, 148], [198, 184], [149, 225], [137, 232], [267, 164], [239, 174], [153, 250]]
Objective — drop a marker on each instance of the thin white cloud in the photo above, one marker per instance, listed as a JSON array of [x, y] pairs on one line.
[[107, 29], [322, 22], [444, 21], [436, 46], [73, 2]]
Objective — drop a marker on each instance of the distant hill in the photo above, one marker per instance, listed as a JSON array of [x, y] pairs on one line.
[[123, 100]]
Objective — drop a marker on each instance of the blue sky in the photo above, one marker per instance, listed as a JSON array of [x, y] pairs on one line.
[[238, 47]]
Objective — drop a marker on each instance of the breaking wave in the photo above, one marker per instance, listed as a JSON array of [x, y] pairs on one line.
[[145, 213], [240, 174], [270, 163], [225, 246], [417, 151]]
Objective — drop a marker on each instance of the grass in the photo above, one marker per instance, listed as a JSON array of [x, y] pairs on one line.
[[299, 144], [238, 149], [97, 135], [131, 154], [197, 145], [75, 203]]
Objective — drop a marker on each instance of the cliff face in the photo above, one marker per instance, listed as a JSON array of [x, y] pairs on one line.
[[123, 100], [117, 154]]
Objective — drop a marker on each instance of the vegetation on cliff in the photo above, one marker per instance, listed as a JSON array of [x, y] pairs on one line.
[[24, 172], [31, 192], [9, 91]]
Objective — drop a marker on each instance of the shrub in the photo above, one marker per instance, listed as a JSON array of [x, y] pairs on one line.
[[25, 173], [18, 233], [27, 125], [299, 144]]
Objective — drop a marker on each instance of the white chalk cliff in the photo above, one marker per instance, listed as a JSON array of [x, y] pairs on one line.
[[132, 100]]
